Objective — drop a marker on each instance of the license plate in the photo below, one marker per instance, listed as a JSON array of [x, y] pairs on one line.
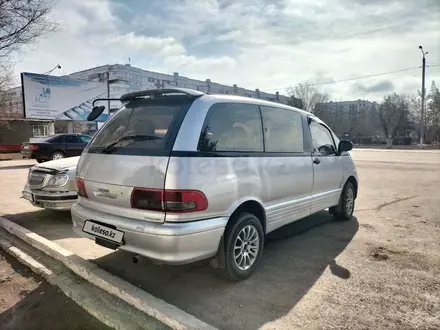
[[103, 231], [28, 196]]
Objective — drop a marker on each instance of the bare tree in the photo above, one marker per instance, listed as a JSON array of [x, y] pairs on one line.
[[414, 115], [353, 125], [22, 22], [433, 112], [369, 125], [393, 113], [309, 96], [5, 97], [5, 77]]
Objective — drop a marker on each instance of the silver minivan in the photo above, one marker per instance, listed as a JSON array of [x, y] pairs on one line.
[[177, 176]]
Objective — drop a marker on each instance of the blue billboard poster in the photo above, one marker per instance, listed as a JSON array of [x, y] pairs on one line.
[[60, 98]]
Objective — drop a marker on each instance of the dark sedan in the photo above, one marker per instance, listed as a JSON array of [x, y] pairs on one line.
[[55, 147]]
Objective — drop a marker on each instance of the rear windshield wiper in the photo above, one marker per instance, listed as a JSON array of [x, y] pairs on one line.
[[111, 147]]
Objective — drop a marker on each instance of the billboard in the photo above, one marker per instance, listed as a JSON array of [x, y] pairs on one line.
[[60, 98]]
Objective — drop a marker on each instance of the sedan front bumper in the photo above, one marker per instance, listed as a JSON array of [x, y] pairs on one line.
[[52, 200]]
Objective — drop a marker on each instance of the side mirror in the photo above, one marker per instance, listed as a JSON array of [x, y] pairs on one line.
[[96, 112], [344, 145]]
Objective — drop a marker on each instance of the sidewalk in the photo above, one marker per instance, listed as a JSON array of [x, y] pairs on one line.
[[10, 156]]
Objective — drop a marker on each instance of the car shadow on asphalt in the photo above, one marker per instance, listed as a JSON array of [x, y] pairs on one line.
[[290, 266], [52, 225]]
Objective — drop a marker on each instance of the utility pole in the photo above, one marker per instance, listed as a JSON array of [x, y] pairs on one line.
[[422, 113]]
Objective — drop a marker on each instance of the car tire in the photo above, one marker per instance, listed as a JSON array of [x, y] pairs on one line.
[[243, 247], [345, 208], [57, 155], [40, 161]]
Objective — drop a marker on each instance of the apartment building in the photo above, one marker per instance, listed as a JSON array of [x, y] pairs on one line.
[[126, 78], [121, 79], [350, 118]]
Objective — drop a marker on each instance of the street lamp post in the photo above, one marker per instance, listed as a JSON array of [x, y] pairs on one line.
[[50, 71], [422, 113], [108, 90], [105, 77], [101, 78]]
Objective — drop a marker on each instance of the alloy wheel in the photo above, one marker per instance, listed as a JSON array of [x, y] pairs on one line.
[[246, 247]]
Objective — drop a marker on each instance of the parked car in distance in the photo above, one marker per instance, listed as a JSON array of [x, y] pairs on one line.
[[56, 146], [177, 176], [52, 185]]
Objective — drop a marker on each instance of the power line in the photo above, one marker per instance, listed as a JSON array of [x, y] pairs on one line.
[[355, 78], [367, 76]]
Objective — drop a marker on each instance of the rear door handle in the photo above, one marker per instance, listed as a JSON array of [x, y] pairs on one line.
[[316, 161]]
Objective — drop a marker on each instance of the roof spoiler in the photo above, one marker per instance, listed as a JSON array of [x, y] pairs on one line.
[[161, 92], [152, 93]]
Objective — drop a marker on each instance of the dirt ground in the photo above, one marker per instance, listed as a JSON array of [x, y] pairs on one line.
[[379, 271], [29, 302]]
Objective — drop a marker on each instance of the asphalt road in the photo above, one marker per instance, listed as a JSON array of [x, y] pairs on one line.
[[380, 270]]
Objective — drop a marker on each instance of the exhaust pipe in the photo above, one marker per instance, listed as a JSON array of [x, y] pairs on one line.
[[137, 259]]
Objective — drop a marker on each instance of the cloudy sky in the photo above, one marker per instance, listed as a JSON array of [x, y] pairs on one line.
[[266, 44]]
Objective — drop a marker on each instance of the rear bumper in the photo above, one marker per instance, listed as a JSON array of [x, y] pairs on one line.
[[27, 154], [58, 201], [169, 243], [37, 154]]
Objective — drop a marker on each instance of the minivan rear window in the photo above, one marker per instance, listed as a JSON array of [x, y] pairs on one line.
[[141, 126]]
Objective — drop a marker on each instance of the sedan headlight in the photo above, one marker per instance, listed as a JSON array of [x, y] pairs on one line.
[[58, 180]]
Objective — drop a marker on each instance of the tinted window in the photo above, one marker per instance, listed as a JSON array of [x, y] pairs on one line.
[[71, 139], [141, 125], [54, 139], [322, 139], [85, 138], [283, 131], [232, 127]]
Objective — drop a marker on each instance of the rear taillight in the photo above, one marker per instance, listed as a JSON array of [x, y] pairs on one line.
[[81, 188], [168, 200], [185, 201], [33, 147], [147, 199]]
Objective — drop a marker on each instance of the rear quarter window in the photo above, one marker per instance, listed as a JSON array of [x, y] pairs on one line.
[[71, 139], [283, 130], [232, 127], [54, 139]]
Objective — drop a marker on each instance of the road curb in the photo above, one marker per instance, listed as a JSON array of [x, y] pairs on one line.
[[104, 307], [145, 302], [25, 259]]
